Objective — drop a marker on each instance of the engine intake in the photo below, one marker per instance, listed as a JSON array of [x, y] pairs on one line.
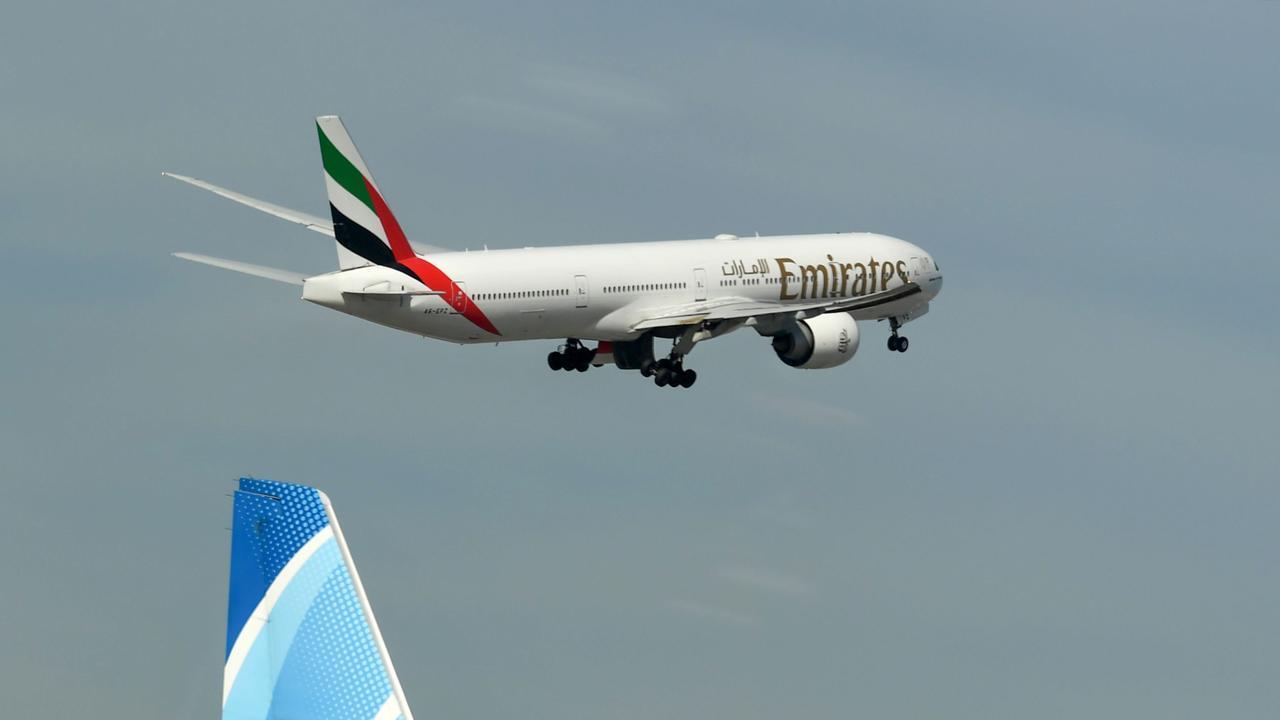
[[824, 341]]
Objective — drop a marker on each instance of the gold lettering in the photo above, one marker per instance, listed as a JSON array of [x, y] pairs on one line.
[[873, 265], [886, 274], [860, 282], [902, 271], [844, 279], [809, 280], [785, 275]]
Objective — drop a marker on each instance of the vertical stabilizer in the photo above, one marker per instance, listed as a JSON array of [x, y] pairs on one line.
[[366, 230], [302, 642]]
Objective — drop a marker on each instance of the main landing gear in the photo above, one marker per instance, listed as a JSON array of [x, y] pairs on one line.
[[573, 357], [670, 372], [631, 355], [897, 343]]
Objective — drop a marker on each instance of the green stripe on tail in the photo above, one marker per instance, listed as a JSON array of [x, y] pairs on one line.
[[342, 171]]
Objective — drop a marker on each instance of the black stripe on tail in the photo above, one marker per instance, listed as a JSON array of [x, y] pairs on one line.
[[359, 240]]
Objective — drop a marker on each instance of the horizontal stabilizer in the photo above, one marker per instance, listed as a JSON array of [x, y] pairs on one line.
[[312, 222], [390, 294], [270, 273]]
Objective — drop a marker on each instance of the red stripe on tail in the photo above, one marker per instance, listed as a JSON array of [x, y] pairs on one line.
[[430, 275], [400, 246]]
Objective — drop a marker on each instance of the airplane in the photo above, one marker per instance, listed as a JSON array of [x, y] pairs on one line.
[[609, 302], [302, 641]]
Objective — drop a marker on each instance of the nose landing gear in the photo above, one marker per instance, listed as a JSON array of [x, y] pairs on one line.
[[897, 343]]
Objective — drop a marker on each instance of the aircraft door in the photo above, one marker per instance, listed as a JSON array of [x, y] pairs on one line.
[[580, 282], [922, 266], [458, 297], [699, 284], [915, 267]]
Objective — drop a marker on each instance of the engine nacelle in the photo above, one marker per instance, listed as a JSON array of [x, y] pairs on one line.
[[824, 341]]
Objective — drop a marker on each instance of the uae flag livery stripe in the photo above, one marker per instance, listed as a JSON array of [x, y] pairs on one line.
[[365, 225]]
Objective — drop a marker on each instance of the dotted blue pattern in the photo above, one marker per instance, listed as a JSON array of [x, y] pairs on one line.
[[317, 657], [333, 669], [271, 522]]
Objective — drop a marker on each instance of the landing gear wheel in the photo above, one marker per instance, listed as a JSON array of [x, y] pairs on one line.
[[893, 343], [583, 360], [669, 372], [902, 343], [555, 360]]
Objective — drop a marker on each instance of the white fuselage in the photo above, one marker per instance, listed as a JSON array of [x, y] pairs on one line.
[[600, 292]]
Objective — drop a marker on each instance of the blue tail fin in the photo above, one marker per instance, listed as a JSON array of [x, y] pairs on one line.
[[302, 642]]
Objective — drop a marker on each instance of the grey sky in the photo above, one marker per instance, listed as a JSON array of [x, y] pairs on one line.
[[1061, 503]]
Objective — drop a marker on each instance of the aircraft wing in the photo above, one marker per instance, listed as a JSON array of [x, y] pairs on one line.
[[310, 222], [710, 310], [881, 298], [742, 308]]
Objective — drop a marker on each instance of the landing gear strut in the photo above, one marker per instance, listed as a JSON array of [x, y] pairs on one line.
[[574, 356], [897, 343]]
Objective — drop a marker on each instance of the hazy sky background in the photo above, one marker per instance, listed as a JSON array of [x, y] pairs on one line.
[[1061, 503]]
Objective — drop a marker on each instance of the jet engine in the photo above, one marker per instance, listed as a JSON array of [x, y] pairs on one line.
[[824, 341]]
